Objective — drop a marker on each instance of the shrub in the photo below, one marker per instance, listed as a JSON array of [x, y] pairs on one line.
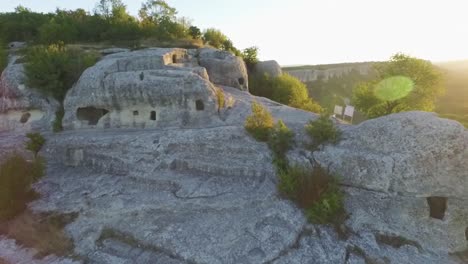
[[281, 139], [322, 131], [35, 143], [220, 98], [57, 125], [259, 123], [315, 191], [250, 56], [284, 89], [16, 177], [54, 69]]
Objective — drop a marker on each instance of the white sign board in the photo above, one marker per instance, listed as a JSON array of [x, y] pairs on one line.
[[338, 110], [349, 111]]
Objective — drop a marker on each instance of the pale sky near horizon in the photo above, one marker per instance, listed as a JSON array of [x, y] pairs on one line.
[[297, 32]]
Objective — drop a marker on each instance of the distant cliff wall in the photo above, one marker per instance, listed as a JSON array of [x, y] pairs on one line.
[[325, 72]]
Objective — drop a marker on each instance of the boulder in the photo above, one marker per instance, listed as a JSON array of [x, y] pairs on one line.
[[407, 175], [270, 68], [141, 89], [23, 108], [224, 68]]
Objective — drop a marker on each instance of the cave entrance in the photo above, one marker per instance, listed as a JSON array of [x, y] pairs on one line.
[[437, 207], [174, 58], [153, 115], [135, 113], [25, 117], [241, 81], [91, 114], [466, 234], [199, 105]]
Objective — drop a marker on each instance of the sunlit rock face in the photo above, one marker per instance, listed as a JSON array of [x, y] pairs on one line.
[[270, 68], [149, 88], [224, 68], [21, 107], [407, 175]]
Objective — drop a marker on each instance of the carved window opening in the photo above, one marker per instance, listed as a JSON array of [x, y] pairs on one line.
[[241, 81], [437, 207], [25, 117], [135, 113], [153, 116], [174, 58], [199, 105], [91, 114]]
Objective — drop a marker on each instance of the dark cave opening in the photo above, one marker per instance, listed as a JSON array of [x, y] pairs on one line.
[[91, 114], [199, 105], [241, 81], [25, 117], [437, 207], [153, 115]]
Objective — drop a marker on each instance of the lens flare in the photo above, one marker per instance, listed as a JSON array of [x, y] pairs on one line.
[[394, 88]]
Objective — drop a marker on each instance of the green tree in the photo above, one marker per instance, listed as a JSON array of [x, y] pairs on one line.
[[195, 32], [35, 143], [54, 69], [215, 38], [426, 87], [250, 56], [155, 11]]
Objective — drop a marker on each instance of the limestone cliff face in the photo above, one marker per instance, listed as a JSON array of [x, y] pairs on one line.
[[152, 88], [191, 186], [314, 74]]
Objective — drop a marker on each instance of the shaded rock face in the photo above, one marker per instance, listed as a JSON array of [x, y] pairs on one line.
[[23, 108], [146, 89], [270, 68], [407, 175], [224, 68]]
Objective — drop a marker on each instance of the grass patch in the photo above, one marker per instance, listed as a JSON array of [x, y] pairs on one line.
[[315, 191], [259, 123], [42, 232], [16, 176]]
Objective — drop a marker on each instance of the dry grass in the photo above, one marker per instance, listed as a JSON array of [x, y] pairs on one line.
[[41, 232]]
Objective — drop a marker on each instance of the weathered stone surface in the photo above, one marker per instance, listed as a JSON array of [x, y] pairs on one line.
[[23, 108], [113, 50], [397, 164], [141, 89], [270, 68], [224, 68]]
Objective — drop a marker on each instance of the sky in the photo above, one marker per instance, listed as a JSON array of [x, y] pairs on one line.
[[299, 32]]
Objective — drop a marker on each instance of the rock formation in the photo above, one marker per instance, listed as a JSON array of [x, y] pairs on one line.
[[194, 187], [23, 108], [270, 68]]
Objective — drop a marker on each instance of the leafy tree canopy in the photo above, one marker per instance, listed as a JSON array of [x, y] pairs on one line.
[[403, 84]]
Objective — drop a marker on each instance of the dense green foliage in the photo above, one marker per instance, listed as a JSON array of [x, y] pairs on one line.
[[3, 56], [315, 191], [57, 125], [35, 143], [16, 177], [284, 89], [280, 141], [260, 123], [110, 22], [217, 39], [322, 131], [250, 56], [428, 86], [454, 104], [55, 68]]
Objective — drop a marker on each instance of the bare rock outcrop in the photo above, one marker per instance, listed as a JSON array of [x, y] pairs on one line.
[[407, 175], [21, 107], [270, 68], [224, 68]]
